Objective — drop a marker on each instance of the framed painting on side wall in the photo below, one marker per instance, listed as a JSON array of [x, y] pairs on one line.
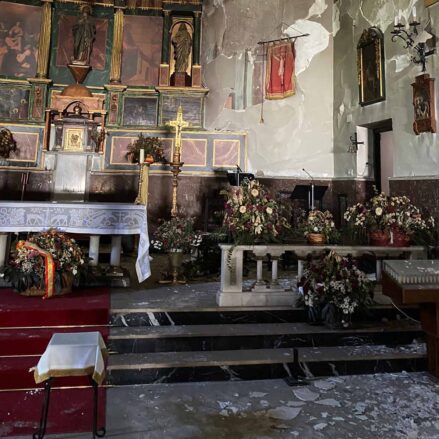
[[370, 61]]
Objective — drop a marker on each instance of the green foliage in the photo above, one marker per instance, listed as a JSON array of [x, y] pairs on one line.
[[7, 143], [151, 145]]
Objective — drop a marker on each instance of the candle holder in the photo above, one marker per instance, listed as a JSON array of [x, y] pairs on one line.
[[142, 192], [409, 37]]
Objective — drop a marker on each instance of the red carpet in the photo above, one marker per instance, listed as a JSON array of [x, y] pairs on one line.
[[26, 326]]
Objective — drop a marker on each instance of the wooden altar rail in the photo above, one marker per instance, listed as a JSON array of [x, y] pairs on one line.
[[270, 293]]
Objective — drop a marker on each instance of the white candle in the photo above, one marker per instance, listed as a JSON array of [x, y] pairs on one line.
[[414, 13], [141, 156], [396, 21]]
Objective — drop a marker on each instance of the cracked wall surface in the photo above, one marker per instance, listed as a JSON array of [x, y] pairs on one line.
[[297, 132], [414, 155]]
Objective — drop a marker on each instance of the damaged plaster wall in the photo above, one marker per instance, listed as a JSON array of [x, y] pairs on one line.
[[413, 155], [297, 132]]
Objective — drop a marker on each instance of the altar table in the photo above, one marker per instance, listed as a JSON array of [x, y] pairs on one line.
[[417, 282], [95, 219], [271, 293]]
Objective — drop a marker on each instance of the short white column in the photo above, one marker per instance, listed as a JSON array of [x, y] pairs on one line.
[[93, 250], [259, 261], [299, 268], [274, 269], [116, 247], [379, 268], [3, 248]]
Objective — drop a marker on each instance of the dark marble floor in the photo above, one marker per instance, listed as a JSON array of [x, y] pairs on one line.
[[388, 406]]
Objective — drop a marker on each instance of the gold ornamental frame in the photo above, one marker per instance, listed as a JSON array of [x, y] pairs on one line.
[[370, 63]]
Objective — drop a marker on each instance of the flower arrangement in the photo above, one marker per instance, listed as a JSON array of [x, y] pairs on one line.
[[408, 217], [176, 234], [333, 288], [29, 267], [389, 215], [252, 214], [375, 215], [7, 143], [152, 146], [319, 222]]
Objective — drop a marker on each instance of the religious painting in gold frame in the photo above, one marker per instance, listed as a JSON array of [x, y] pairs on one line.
[[73, 139], [371, 73]]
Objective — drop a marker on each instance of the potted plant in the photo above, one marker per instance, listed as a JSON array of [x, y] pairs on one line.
[[319, 227], [7, 143], [176, 237], [45, 265], [376, 217], [151, 146], [409, 222], [333, 289], [252, 215]]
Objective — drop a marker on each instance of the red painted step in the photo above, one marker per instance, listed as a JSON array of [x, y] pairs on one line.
[[14, 374], [85, 307], [33, 341]]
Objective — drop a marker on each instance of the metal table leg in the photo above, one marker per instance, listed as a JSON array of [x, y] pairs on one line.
[[44, 412], [101, 431]]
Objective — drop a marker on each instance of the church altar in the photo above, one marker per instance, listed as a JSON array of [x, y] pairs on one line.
[[95, 219], [272, 293]]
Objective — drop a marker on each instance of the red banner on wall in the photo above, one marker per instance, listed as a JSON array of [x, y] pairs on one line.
[[279, 79]]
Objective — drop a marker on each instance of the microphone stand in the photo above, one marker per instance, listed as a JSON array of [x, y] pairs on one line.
[[312, 189]]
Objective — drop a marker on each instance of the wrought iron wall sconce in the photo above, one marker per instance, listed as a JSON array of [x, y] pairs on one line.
[[353, 147], [413, 40]]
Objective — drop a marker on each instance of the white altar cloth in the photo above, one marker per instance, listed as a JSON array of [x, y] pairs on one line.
[[72, 354], [89, 218]]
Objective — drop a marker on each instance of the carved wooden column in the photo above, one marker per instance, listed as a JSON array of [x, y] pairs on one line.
[[44, 41], [196, 67], [164, 65], [116, 54]]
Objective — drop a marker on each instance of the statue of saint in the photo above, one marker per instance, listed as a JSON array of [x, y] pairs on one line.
[[182, 42], [84, 32]]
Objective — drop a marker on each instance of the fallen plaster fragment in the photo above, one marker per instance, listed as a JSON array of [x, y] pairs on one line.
[[324, 384], [295, 403], [320, 426], [304, 394], [257, 394], [284, 413], [331, 402]]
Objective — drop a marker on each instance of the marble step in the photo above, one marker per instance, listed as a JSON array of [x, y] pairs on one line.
[[259, 335], [262, 363], [212, 316]]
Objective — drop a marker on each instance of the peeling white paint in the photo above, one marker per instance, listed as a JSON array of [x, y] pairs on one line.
[[317, 8], [307, 48], [335, 19]]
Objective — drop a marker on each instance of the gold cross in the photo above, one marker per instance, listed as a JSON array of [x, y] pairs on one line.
[[178, 124]]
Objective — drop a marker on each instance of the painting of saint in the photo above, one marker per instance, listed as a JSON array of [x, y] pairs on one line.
[[371, 75], [142, 48], [65, 51], [19, 34]]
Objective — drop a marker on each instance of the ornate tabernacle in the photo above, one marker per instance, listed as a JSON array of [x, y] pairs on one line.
[[417, 282]]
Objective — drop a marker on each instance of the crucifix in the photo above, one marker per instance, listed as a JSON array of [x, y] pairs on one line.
[[176, 163]]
